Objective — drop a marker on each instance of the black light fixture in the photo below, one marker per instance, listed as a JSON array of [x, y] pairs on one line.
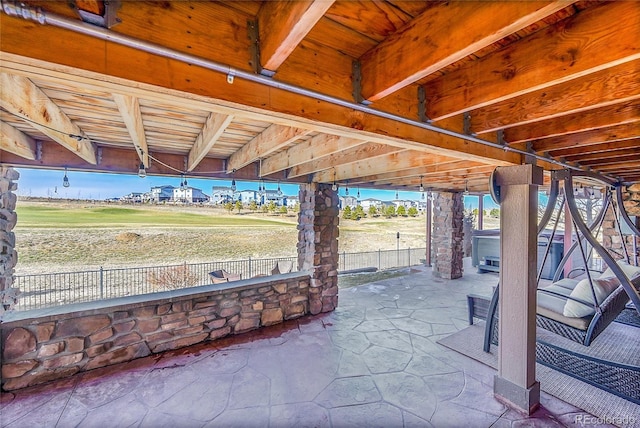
[[142, 172], [421, 185], [279, 190], [358, 194], [233, 181], [466, 188], [346, 190], [334, 187], [65, 179]]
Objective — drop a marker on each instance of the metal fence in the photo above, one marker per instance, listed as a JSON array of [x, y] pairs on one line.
[[55, 289]]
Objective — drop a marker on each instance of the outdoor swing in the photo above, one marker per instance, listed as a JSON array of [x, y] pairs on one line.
[[580, 309]]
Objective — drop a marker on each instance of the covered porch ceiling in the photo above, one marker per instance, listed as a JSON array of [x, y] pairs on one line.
[[384, 94]]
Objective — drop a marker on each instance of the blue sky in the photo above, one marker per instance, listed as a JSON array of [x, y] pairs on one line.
[[90, 185]]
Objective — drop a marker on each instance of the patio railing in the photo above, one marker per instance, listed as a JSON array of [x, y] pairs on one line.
[[55, 289]]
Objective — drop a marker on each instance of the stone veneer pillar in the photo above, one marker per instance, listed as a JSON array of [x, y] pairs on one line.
[[8, 254], [318, 244], [447, 235], [611, 238]]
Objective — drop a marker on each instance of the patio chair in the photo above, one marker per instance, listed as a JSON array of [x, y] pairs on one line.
[[218, 276], [283, 266]]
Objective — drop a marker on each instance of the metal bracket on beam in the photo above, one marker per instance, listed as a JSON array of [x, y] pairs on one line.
[[422, 105], [466, 123], [254, 49], [38, 150], [530, 158], [109, 19], [356, 79]]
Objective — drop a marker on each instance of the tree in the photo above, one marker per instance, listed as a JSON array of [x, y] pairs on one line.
[[228, 206], [346, 213], [413, 212], [360, 211], [373, 211], [402, 211], [296, 208], [271, 207], [283, 210], [265, 208], [495, 213], [238, 206], [253, 206], [390, 211]]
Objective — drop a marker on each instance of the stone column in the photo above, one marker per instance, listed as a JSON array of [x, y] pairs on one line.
[[611, 236], [318, 244], [515, 384], [447, 235], [8, 254]]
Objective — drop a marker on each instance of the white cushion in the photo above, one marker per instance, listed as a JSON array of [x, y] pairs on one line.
[[602, 287], [629, 270]]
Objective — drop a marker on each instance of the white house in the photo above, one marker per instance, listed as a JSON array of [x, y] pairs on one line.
[[348, 201], [133, 197], [369, 202], [291, 201], [272, 195], [160, 194], [247, 196], [221, 194], [189, 195]]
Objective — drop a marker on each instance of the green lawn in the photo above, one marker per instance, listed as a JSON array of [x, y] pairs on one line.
[[47, 216]]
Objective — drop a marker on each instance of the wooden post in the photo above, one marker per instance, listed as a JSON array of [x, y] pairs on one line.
[[515, 384], [429, 226], [480, 210]]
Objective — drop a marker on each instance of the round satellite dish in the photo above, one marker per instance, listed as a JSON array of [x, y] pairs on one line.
[[494, 189]]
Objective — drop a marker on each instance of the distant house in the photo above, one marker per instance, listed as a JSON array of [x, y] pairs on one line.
[[190, 195], [132, 197], [369, 202], [272, 196], [403, 203], [291, 201], [221, 195], [247, 196], [160, 194], [348, 201]]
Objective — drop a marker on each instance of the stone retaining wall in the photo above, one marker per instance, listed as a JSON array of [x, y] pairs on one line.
[[39, 346]]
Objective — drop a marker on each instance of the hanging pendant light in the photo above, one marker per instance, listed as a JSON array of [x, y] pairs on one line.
[[65, 179], [142, 172]]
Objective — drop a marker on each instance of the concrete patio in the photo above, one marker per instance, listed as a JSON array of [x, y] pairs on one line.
[[373, 362]]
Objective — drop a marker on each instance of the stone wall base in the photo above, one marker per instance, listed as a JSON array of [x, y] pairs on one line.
[[38, 349]]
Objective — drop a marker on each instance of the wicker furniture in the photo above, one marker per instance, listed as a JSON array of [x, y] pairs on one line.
[[218, 276]]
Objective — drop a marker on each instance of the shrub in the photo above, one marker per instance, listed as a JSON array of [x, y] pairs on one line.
[[172, 278]]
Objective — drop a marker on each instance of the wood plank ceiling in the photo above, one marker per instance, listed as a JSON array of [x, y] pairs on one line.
[[350, 91]]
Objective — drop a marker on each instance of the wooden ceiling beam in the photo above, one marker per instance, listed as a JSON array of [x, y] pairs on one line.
[[283, 24], [445, 34], [20, 97], [597, 148], [213, 128], [387, 163], [613, 133], [17, 142], [274, 138], [582, 44], [426, 171], [604, 88], [315, 148], [351, 155], [443, 177], [603, 117], [601, 161], [610, 154], [130, 111]]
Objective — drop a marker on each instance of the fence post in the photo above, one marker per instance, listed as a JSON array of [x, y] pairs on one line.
[[379, 262], [409, 256], [101, 282], [249, 276], [344, 260]]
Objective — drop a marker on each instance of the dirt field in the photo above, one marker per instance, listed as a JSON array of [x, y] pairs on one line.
[[54, 237]]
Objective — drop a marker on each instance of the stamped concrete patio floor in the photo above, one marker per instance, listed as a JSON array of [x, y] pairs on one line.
[[374, 362]]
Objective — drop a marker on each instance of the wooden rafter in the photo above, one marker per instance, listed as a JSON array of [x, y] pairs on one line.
[[270, 140], [130, 111], [387, 163], [211, 131], [21, 97], [607, 155], [613, 133], [598, 148], [283, 25], [577, 46], [456, 30], [604, 88], [603, 117], [313, 149], [351, 155], [427, 171], [17, 142]]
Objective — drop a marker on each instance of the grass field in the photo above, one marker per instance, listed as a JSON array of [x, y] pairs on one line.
[[56, 236]]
